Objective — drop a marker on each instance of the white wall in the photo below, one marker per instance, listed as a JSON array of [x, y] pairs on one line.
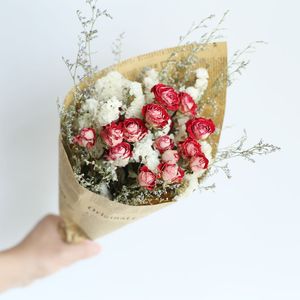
[[241, 242]]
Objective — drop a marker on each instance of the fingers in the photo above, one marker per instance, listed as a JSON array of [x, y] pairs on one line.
[[83, 250], [44, 252]]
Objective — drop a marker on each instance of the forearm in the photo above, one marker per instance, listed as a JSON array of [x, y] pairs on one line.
[[14, 269]]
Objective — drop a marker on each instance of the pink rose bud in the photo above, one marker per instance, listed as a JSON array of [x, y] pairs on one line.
[[86, 138], [164, 143], [189, 147], [112, 134], [170, 157], [134, 129], [200, 128], [187, 104], [120, 151], [170, 173], [146, 178], [155, 115], [199, 162], [166, 96]]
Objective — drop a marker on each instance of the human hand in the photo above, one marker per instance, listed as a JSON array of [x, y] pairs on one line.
[[41, 253]]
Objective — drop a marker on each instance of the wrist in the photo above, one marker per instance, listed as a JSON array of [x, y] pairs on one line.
[[16, 269]]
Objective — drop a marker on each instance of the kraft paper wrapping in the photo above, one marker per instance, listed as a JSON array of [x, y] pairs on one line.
[[90, 215]]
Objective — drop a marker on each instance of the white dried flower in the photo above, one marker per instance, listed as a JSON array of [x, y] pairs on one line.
[[144, 152], [104, 190], [134, 109], [108, 111], [202, 81], [206, 149], [111, 85], [84, 120], [163, 131], [90, 106], [151, 78], [202, 73], [120, 162], [193, 92], [192, 184], [201, 84], [88, 113], [112, 170]]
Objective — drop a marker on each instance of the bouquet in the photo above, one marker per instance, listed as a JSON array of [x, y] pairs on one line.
[[142, 134]]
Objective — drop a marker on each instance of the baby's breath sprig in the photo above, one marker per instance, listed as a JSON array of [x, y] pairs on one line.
[[206, 188], [194, 27], [82, 67], [185, 64], [117, 47], [240, 60], [236, 65], [66, 116], [237, 150]]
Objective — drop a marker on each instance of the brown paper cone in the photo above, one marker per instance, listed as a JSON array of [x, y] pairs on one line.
[[89, 215]]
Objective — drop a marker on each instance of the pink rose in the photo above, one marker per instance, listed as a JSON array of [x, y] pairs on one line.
[[189, 147], [163, 143], [166, 96], [155, 115], [134, 130], [146, 178], [200, 128], [170, 157], [170, 173], [112, 134], [120, 151], [187, 104], [86, 138], [199, 162]]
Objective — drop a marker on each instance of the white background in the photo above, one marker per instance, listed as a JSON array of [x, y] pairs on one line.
[[241, 242]]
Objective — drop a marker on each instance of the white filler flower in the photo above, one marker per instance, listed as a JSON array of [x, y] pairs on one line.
[[108, 111], [200, 86], [143, 150], [150, 79], [134, 109], [111, 85], [202, 80]]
